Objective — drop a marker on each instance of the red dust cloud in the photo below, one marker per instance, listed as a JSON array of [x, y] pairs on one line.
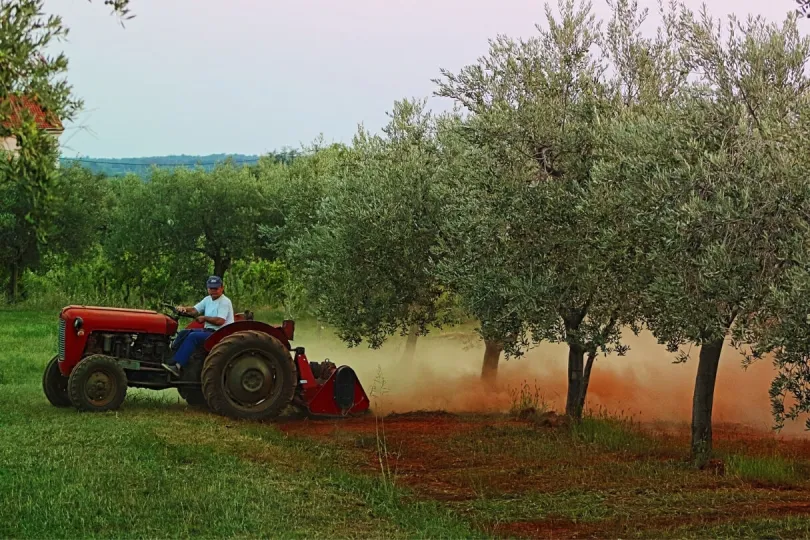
[[645, 384]]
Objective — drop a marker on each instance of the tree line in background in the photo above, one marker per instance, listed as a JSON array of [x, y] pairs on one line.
[[590, 181], [143, 166]]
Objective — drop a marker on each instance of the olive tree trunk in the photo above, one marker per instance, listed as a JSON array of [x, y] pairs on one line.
[[576, 378], [703, 401], [492, 356], [410, 344], [586, 380], [13, 283], [221, 265]]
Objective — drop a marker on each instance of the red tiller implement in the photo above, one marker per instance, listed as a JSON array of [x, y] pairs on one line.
[[328, 390]]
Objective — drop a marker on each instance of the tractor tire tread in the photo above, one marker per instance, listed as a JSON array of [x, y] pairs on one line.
[[218, 355], [85, 365], [51, 377]]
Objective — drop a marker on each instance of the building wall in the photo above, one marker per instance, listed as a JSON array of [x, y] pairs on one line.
[[9, 144]]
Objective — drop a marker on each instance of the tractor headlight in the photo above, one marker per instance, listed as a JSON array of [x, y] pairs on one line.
[[77, 325]]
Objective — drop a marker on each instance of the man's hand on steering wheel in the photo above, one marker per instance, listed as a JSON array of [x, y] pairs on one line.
[[178, 311]]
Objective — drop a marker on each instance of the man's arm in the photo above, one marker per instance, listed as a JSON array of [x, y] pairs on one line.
[[217, 321], [195, 310], [188, 310], [224, 314], [228, 315]]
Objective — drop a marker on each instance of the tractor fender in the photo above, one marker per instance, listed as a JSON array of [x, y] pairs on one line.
[[241, 326]]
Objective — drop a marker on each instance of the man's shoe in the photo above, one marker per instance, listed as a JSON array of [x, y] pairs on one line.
[[173, 369]]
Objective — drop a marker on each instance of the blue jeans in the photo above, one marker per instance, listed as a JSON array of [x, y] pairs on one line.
[[190, 343]]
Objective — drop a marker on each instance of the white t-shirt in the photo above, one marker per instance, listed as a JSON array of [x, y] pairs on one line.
[[221, 307]]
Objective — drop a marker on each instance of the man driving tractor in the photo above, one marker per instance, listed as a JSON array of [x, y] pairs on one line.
[[215, 311]]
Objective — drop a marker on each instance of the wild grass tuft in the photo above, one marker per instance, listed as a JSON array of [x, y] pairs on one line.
[[614, 433], [526, 398], [767, 470], [387, 475]]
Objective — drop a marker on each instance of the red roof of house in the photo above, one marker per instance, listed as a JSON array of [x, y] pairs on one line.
[[44, 119]]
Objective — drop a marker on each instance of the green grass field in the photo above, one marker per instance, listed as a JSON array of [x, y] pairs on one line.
[[157, 468]]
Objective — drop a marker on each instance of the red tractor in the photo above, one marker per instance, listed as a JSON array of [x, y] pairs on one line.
[[247, 369]]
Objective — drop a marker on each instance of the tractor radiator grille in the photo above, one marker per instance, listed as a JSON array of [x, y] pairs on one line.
[[61, 339]]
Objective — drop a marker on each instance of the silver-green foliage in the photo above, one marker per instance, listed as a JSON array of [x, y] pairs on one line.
[[184, 224], [30, 72], [554, 258], [717, 179], [367, 258]]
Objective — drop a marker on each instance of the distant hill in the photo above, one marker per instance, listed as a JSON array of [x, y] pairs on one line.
[[142, 165]]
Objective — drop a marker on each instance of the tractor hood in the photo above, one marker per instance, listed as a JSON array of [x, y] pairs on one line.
[[95, 318]]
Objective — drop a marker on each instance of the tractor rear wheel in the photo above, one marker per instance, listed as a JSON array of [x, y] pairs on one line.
[[249, 375], [98, 383], [55, 384]]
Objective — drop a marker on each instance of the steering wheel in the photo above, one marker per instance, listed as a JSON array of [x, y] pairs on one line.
[[177, 314]]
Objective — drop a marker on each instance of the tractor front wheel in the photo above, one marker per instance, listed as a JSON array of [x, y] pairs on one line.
[[249, 375], [55, 384], [98, 383]]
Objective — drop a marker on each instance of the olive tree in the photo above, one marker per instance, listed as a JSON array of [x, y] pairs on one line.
[[30, 75], [82, 204], [28, 175], [183, 224], [296, 188], [367, 259], [721, 200], [557, 242], [781, 328], [79, 207], [473, 253]]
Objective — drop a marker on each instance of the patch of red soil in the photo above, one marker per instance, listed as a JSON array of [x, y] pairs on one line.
[[543, 419], [612, 528], [420, 414], [785, 508], [412, 424], [419, 450], [549, 528], [715, 466], [731, 437], [453, 457], [727, 514], [449, 457]]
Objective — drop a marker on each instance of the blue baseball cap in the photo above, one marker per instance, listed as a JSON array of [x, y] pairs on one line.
[[214, 282]]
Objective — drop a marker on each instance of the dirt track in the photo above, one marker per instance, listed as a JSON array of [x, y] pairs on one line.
[[467, 461]]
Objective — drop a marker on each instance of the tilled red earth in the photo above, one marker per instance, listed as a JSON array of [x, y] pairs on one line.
[[738, 438], [414, 446], [427, 450], [461, 459]]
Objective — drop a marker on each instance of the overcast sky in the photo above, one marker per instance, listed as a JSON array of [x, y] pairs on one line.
[[251, 76]]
